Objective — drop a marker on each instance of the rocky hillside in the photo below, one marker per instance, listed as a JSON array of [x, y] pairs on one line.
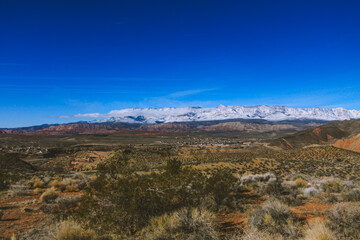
[[342, 134], [351, 143]]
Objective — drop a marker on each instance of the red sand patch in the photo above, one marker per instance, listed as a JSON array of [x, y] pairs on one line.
[[317, 131], [311, 211], [329, 137], [15, 220]]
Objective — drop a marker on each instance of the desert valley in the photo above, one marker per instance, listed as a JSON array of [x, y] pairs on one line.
[[213, 179]]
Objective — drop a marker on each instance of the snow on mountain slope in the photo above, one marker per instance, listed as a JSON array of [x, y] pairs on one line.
[[186, 114]]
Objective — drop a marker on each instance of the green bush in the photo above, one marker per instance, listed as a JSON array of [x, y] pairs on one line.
[[123, 204], [173, 166], [220, 184]]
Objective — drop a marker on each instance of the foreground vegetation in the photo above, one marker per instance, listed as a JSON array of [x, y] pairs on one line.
[[189, 192]]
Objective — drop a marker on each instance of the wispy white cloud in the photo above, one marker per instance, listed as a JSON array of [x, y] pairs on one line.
[[328, 98], [189, 92], [169, 100]]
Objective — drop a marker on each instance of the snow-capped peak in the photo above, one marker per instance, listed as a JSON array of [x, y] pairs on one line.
[[221, 112]]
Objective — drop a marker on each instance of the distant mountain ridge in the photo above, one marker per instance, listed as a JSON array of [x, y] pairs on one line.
[[233, 126], [187, 114], [195, 119]]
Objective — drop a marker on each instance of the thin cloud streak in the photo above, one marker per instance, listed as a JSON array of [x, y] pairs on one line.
[[168, 100]]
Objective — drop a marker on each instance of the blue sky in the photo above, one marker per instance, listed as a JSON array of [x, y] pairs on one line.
[[67, 57]]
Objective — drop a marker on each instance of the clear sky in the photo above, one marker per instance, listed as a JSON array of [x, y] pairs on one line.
[[67, 57]]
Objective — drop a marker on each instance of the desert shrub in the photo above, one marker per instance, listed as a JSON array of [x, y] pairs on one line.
[[38, 191], [71, 188], [56, 184], [273, 187], [276, 218], [62, 206], [353, 195], [68, 181], [331, 198], [319, 231], [46, 180], [220, 184], [248, 179], [255, 234], [349, 185], [125, 203], [297, 176], [8, 176], [291, 197], [300, 183], [67, 204], [186, 223], [49, 195], [82, 185], [49, 208], [332, 186], [173, 166], [4, 180], [311, 192], [36, 182], [70, 230], [344, 221], [120, 201]]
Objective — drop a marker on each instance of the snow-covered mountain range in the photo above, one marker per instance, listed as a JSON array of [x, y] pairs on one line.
[[186, 114]]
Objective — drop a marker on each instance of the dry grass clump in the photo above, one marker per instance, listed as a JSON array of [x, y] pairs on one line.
[[300, 183], [49, 196], [344, 221], [255, 234], [36, 182], [38, 191], [71, 188], [319, 231], [276, 218], [56, 184], [186, 223], [70, 230]]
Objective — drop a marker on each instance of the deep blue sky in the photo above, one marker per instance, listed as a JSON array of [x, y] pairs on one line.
[[67, 57]]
